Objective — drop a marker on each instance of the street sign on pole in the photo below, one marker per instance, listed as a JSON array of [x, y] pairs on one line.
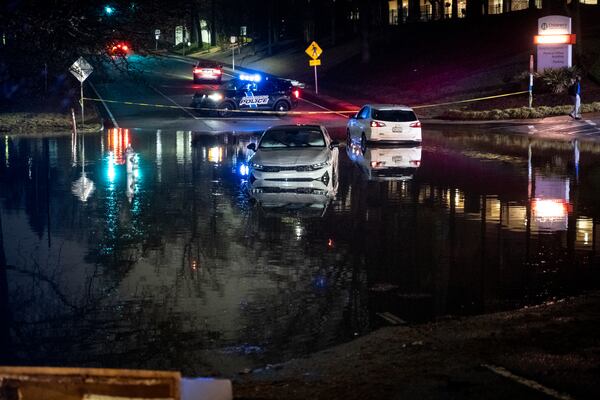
[[313, 50], [233, 39], [81, 69]]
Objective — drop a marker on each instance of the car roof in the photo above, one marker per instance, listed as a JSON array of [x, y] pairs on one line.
[[297, 126], [390, 107]]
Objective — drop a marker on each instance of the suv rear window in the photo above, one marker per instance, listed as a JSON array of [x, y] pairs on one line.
[[393, 115]]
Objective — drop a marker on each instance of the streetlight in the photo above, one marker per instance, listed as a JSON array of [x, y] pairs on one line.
[[109, 10]]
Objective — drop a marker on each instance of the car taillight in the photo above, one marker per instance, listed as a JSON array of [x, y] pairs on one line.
[[296, 93], [415, 124], [217, 71], [125, 47], [197, 70], [377, 124], [415, 163]]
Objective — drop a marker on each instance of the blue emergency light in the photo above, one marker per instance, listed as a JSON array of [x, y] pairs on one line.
[[251, 77]]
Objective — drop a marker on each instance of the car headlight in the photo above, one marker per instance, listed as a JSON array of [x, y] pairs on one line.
[[257, 167], [320, 165], [215, 96]]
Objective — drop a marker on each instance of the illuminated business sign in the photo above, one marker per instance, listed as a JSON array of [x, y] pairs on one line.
[[554, 42]]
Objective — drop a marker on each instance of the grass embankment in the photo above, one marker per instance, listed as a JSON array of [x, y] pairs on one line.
[[32, 123]]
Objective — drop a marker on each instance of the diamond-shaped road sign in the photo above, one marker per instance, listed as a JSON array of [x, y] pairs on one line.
[[81, 69], [314, 51]]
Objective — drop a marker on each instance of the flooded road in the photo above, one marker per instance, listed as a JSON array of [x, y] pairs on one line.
[[159, 257]]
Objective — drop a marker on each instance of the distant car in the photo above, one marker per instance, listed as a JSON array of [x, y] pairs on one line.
[[119, 49], [249, 92], [298, 158], [397, 163], [206, 71], [384, 123]]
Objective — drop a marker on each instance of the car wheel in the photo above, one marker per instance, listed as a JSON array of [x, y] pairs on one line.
[[196, 81], [282, 107], [225, 109], [363, 142]]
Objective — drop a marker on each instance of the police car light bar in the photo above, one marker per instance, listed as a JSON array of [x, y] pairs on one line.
[[250, 78]]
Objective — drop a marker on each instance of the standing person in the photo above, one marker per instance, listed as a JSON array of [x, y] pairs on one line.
[[575, 93]]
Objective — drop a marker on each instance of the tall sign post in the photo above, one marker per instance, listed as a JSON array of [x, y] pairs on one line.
[[156, 37], [81, 69], [233, 39], [554, 42], [314, 52]]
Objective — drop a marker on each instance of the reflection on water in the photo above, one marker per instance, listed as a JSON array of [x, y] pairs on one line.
[[173, 262]]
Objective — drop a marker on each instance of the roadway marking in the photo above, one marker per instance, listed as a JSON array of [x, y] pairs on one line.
[[589, 122], [324, 108], [111, 116], [173, 101], [527, 382], [391, 318]]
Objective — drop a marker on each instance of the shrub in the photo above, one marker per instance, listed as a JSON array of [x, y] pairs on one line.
[[517, 113], [557, 80]]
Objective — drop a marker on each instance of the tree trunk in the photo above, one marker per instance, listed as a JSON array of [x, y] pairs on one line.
[[365, 19], [213, 23], [333, 14], [195, 22], [474, 8], [414, 10], [270, 29]]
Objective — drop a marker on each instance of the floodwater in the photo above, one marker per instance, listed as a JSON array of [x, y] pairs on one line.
[[164, 261]]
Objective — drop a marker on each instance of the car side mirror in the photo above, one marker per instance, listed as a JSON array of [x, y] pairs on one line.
[[334, 144], [251, 146]]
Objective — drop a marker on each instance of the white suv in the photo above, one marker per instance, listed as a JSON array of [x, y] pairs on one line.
[[384, 123]]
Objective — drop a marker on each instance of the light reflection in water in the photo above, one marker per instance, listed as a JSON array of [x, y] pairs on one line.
[[194, 272]]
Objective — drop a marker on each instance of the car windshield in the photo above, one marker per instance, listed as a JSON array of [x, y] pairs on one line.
[[291, 138], [394, 115]]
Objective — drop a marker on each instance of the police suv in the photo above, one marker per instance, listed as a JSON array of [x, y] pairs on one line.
[[249, 92]]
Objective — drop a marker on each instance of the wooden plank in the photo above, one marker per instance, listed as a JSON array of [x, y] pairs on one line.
[[49, 383]]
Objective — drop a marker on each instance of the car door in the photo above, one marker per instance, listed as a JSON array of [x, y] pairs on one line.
[[359, 122], [265, 95], [248, 92]]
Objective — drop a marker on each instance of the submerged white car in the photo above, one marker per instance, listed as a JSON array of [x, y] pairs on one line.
[[299, 158], [383, 123]]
